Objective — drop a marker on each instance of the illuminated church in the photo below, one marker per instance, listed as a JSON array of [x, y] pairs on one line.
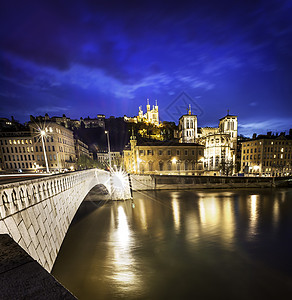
[[151, 116]]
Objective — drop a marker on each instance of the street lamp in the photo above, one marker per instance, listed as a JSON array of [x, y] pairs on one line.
[[109, 149], [43, 134]]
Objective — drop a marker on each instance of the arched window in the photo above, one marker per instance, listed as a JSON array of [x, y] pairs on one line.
[[150, 166], [161, 166]]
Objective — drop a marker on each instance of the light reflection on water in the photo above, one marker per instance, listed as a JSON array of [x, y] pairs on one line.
[[182, 245], [121, 261]]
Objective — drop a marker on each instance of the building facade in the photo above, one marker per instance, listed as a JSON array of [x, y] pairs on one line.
[[220, 143], [151, 116], [188, 128], [27, 151], [116, 158], [164, 158], [17, 151], [267, 155]]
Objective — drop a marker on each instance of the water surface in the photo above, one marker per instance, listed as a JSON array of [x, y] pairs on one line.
[[215, 244]]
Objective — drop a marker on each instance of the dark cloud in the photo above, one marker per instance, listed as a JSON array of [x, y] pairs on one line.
[[131, 50]]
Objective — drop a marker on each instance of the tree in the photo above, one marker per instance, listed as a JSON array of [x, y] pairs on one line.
[[85, 162], [226, 167]]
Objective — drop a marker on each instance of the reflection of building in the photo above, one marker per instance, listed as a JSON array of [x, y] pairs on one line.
[[269, 155], [164, 158], [150, 117]]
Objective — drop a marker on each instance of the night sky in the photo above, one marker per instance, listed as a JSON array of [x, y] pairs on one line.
[[83, 58]]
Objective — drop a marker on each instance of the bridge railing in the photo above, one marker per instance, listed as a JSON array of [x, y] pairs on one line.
[[17, 196]]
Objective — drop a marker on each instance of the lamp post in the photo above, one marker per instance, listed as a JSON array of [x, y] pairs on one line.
[[43, 133], [109, 149]]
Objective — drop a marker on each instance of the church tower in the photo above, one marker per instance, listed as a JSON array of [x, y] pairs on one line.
[[188, 127], [228, 125]]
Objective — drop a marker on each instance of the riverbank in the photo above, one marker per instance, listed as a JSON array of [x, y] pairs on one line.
[[180, 182]]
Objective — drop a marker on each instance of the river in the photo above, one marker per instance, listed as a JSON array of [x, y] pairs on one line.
[[208, 244]]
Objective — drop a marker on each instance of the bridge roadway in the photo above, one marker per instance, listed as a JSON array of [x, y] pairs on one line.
[[37, 213]]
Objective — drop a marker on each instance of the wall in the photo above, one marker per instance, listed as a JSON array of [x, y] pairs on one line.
[[171, 182]]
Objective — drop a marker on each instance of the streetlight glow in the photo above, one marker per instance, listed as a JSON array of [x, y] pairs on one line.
[[109, 149], [43, 133]]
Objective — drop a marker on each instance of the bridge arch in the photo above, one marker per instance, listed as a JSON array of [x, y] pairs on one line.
[[37, 213]]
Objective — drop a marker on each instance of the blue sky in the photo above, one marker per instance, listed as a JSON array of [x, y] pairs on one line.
[[83, 58]]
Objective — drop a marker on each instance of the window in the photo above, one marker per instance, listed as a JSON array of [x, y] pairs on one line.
[[168, 152], [160, 153], [150, 165], [178, 152], [149, 152], [186, 152], [193, 152], [160, 166]]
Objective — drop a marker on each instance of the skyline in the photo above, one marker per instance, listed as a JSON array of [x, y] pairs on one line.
[[107, 58]]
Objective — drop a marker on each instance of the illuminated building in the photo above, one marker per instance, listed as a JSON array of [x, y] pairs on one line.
[[59, 143], [150, 117], [164, 158], [103, 158], [17, 151], [188, 128], [23, 150], [220, 143], [267, 155]]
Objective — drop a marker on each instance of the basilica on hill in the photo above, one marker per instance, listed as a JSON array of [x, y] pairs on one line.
[[195, 151], [151, 116]]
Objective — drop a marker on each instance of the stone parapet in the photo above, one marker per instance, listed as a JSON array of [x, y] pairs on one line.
[[37, 213]]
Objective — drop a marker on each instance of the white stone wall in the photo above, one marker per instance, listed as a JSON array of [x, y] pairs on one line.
[[37, 213]]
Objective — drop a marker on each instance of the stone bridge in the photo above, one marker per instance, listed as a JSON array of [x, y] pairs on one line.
[[37, 213]]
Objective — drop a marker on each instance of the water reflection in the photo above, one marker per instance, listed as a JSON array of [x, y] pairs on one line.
[[253, 202], [176, 244], [217, 216], [176, 213], [276, 212], [121, 262]]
